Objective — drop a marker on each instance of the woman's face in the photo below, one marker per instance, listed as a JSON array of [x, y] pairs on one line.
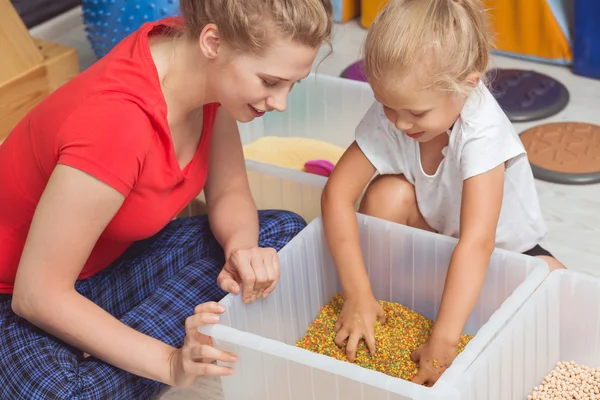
[[248, 85]]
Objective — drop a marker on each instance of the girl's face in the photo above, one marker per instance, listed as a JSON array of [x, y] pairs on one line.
[[247, 85], [422, 114]]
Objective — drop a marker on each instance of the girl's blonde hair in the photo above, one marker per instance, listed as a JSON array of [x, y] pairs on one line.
[[443, 40], [252, 25]]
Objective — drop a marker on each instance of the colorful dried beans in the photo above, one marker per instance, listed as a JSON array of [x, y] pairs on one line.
[[403, 332]]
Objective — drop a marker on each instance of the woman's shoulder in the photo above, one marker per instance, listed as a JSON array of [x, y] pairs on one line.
[[117, 90], [127, 71]]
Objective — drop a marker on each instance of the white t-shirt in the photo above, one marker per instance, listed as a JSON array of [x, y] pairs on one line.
[[481, 139]]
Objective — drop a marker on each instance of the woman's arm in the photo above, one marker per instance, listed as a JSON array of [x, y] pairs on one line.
[[72, 213], [234, 218], [231, 209], [480, 210]]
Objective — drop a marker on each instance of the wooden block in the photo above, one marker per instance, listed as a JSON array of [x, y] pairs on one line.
[[62, 63], [20, 95], [18, 51], [23, 92]]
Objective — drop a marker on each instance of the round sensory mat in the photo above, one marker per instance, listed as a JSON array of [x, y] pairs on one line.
[[527, 95], [355, 71], [564, 152]]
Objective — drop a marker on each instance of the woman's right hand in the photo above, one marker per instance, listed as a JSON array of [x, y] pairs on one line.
[[357, 321], [195, 357]]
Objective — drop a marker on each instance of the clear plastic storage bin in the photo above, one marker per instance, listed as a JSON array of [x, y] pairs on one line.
[[560, 322], [405, 265], [320, 107]]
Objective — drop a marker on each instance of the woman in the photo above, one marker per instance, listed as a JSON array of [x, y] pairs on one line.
[[92, 261]]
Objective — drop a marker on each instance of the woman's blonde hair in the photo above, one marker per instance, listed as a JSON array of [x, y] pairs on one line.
[[443, 40], [252, 25]]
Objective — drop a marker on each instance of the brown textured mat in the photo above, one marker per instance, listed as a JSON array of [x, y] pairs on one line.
[[564, 152]]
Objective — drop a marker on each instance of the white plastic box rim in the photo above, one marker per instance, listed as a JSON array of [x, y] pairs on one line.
[[506, 335], [444, 387]]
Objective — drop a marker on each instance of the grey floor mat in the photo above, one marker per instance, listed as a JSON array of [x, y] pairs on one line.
[[526, 95]]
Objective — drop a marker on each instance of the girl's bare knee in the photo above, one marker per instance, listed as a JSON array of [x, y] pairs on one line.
[[553, 263], [390, 197]]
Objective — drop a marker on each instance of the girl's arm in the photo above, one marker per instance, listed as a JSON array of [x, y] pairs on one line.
[[234, 218], [361, 310], [480, 211], [345, 185], [71, 214]]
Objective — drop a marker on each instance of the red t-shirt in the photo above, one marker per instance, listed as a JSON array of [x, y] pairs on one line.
[[110, 122]]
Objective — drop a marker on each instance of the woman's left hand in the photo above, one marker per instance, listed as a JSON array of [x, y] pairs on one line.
[[434, 357], [255, 271]]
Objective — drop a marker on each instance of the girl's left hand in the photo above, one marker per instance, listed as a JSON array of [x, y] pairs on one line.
[[255, 271], [434, 357]]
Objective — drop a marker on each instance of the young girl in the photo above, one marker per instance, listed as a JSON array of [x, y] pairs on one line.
[[91, 258], [445, 159]]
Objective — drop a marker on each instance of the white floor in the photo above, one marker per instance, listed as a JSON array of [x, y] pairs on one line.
[[575, 240]]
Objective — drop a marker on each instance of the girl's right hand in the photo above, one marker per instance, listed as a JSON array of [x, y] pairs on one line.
[[196, 355], [357, 321]]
